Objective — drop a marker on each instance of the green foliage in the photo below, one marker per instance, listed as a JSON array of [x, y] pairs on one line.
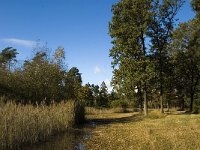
[[196, 5], [87, 95], [96, 94], [185, 49], [136, 63], [41, 78], [128, 30], [7, 57], [196, 106], [119, 103], [103, 95], [73, 83]]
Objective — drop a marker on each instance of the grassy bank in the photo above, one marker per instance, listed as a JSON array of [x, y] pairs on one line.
[[29, 124], [133, 131], [99, 111]]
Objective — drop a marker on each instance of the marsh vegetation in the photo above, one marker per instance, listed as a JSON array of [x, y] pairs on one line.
[[25, 125]]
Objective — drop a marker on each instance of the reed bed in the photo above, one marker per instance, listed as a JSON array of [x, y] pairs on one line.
[[28, 124]]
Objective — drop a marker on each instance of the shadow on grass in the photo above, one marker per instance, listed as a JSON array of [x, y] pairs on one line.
[[105, 121], [134, 118], [173, 112], [179, 113]]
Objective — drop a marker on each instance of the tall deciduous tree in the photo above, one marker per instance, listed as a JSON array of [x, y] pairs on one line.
[[73, 83], [7, 56], [59, 57], [160, 32], [128, 29], [186, 48], [134, 25], [42, 79], [87, 95]]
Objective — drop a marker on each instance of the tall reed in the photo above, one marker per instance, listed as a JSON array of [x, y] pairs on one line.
[[20, 124]]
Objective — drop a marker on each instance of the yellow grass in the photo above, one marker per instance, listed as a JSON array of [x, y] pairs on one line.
[[132, 131], [93, 111], [21, 124]]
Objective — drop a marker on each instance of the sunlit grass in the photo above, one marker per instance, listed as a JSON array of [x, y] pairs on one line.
[[93, 111], [28, 124], [157, 132]]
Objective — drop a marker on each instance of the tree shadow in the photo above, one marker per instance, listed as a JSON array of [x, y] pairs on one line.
[[106, 121], [179, 113]]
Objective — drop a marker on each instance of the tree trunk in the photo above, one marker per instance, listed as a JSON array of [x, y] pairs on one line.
[[140, 99], [161, 104], [161, 99], [182, 102], [168, 104], [141, 104], [191, 101], [145, 102], [170, 97], [161, 81], [169, 101]]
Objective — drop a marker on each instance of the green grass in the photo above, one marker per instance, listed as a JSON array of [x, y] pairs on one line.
[[132, 131], [29, 124]]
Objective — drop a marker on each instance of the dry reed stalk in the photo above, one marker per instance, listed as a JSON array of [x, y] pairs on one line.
[[21, 124]]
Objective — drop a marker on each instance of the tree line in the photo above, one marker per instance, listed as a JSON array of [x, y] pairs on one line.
[[156, 63], [46, 79], [154, 60]]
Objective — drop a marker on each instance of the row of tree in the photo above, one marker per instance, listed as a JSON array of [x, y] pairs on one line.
[[46, 79], [151, 59]]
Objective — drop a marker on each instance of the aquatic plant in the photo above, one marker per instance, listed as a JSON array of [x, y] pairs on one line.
[[28, 124]]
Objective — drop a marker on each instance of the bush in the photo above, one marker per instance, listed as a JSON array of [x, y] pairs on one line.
[[79, 113], [120, 104]]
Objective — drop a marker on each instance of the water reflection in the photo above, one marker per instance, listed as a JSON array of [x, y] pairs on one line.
[[71, 140]]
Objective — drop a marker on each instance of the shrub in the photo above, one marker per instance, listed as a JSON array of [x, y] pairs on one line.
[[120, 104], [79, 113]]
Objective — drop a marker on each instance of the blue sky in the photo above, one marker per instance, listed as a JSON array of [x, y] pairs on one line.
[[80, 26]]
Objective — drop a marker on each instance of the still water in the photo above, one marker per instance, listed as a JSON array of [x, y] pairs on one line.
[[71, 140]]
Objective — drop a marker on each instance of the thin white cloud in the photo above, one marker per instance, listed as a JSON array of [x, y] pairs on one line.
[[97, 70], [20, 42]]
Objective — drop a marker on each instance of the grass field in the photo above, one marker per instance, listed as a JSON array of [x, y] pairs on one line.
[[130, 131]]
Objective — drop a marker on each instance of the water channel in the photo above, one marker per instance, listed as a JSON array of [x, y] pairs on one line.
[[71, 140]]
